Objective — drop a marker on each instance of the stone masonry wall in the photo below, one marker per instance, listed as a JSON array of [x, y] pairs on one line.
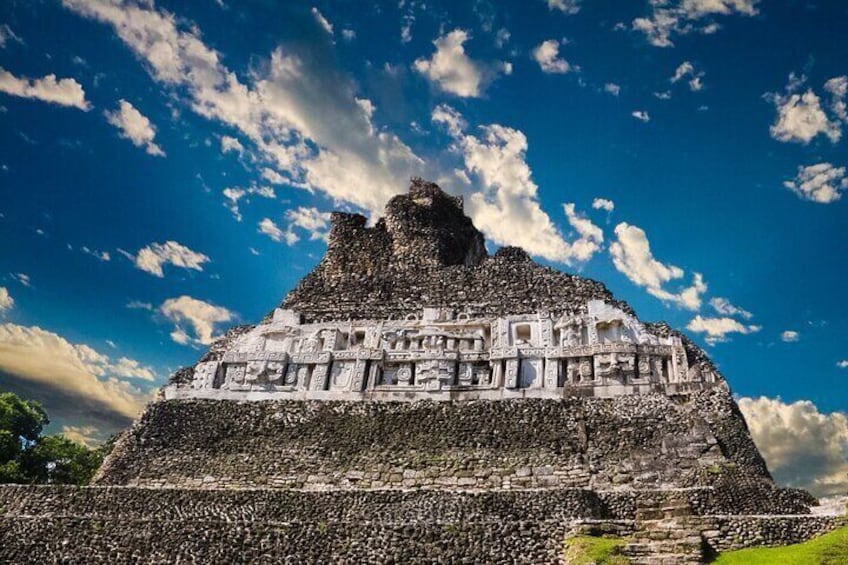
[[636, 440], [44, 524]]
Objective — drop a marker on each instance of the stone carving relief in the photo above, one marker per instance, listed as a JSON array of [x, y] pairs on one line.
[[436, 351]]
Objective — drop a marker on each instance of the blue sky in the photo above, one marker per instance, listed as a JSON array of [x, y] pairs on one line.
[[166, 171]]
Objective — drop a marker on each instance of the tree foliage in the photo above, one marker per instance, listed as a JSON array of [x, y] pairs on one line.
[[27, 456]]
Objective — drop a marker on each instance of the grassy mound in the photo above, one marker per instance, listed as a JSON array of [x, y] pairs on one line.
[[591, 550], [828, 549]]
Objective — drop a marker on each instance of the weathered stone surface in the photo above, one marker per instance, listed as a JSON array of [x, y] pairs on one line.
[[550, 410]]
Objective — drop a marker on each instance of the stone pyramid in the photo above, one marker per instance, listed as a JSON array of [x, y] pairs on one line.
[[416, 400]]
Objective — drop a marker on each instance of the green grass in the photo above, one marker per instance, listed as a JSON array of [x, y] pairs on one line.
[[828, 549], [590, 550]]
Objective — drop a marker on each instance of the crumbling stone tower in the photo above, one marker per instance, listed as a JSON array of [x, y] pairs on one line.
[[414, 399]]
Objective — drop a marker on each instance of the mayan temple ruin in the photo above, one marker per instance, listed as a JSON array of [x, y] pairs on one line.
[[417, 400]]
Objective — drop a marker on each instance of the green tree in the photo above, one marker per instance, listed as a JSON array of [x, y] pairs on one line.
[[58, 460], [26, 456]]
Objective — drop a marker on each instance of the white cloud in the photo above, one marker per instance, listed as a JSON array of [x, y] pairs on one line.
[[153, 257], [726, 308], [71, 377], [547, 55], [200, 316], [822, 183], [671, 17], [450, 118], [322, 21], [843, 364], [453, 71], [6, 35], [272, 230], [612, 88], [800, 117], [6, 300], [590, 236], [231, 145], [838, 89], [717, 329], [99, 255], [64, 92], [641, 115], [665, 95], [632, 256], [301, 116], [23, 279], [312, 220], [273, 176], [803, 447], [603, 204], [682, 71], [506, 207], [570, 7], [233, 195], [686, 70], [135, 126], [790, 336]]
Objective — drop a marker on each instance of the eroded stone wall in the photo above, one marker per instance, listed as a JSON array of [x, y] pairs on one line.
[[648, 441]]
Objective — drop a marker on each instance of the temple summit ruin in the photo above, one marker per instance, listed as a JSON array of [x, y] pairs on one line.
[[417, 400]]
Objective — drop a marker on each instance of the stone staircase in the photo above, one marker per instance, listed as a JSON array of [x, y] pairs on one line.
[[666, 533]]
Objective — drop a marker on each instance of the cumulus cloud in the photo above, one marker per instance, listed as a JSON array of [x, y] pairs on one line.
[[453, 71], [311, 220], [725, 307], [641, 115], [603, 204], [134, 126], [547, 55], [790, 336], [822, 183], [803, 447], [64, 92], [569, 7], [716, 330], [268, 227], [632, 256], [800, 116], [6, 300], [590, 236], [681, 17], [842, 364], [199, 317], [322, 21], [302, 116], [73, 381], [506, 207], [153, 257]]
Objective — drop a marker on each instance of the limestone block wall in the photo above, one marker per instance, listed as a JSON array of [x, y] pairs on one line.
[[726, 533]]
